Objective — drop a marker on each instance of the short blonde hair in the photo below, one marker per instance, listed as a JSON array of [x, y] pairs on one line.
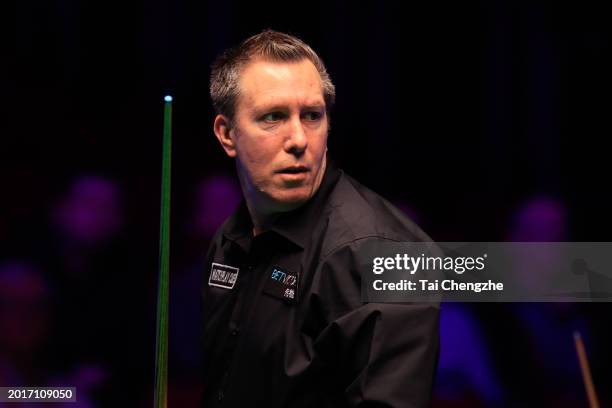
[[269, 45]]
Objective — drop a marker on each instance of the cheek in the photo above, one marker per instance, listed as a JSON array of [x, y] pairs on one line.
[[319, 143], [257, 158]]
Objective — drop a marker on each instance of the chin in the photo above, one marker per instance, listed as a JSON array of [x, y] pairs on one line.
[[288, 201]]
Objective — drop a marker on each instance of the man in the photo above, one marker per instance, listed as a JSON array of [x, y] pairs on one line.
[[284, 324]]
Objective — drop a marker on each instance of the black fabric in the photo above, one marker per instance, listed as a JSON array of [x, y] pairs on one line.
[[326, 348]]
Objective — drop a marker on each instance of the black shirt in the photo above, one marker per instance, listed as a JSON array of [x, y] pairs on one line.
[[284, 324]]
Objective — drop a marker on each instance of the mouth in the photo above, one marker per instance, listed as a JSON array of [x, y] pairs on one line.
[[294, 170]]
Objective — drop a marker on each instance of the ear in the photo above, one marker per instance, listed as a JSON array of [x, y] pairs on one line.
[[225, 134]]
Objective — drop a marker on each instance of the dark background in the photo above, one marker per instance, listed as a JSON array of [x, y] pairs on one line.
[[472, 106], [462, 110]]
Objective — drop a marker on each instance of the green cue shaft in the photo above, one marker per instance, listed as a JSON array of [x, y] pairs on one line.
[[161, 351]]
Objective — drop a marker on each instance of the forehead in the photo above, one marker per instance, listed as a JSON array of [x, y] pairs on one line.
[[279, 83]]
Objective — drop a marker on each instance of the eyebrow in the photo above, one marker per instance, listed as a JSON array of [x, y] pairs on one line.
[[282, 108], [316, 105]]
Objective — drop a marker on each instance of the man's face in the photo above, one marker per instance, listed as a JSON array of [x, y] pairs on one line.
[[280, 133]]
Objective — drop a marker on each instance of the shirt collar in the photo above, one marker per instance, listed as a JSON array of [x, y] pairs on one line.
[[296, 225]]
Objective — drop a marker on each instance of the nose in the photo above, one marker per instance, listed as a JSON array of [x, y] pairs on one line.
[[297, 140]]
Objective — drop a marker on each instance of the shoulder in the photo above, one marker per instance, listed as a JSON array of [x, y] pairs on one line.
[[355, 214]]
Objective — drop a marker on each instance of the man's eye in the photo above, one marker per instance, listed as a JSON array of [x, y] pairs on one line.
[[272, 117], [313, 116]]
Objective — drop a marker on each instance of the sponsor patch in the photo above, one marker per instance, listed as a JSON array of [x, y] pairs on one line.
[[282, 284], [223, 276]]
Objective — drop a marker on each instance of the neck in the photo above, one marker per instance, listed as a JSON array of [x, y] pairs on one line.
[[261, 221]]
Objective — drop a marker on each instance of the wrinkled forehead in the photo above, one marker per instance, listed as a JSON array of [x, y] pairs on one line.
[[264, 82]]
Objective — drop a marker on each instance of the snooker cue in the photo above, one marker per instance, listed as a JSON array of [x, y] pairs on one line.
[[586, 371], [161, 335]]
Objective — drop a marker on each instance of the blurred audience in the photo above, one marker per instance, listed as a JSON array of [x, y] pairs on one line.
[[534, 341], [100, 329], [466, 375], [26, 319]]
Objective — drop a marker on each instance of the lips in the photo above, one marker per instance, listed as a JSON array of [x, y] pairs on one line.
[[293, 170]]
